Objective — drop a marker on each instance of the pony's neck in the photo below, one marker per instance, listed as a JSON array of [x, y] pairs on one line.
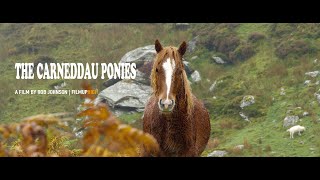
[[183, 101]]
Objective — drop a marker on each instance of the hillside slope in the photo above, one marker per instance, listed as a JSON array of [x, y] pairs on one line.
[[263, 75]]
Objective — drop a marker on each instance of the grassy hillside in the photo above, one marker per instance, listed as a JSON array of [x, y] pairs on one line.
[[262, 59], [263, 75]]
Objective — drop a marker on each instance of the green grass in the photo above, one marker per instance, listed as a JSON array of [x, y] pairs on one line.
[[130, 118]]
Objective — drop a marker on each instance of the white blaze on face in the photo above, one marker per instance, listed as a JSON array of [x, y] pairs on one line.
[[168, 67]]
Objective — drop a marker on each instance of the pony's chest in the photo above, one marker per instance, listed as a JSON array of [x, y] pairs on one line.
[[174, 134]]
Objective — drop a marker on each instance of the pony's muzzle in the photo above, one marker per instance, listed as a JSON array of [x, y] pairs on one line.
[[166, 105]]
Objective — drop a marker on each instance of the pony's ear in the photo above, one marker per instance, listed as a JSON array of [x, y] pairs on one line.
[[158, 46], [182, 49]]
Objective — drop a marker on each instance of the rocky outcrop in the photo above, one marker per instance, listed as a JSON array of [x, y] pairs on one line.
[[139, 55], [213, 86], [218, 60], [290, 121], [125, 96], [192, 44], [193, 58], [244, 117], [240, 147], [143, 57], [195, 76], [247, 101], [307, 82], [312, 74], [60, 86], [282, 92]]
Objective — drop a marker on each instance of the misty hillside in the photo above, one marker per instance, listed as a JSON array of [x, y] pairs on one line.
[[257, 80]]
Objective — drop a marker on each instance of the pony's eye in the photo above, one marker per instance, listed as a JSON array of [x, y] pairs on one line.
[[156, 69]]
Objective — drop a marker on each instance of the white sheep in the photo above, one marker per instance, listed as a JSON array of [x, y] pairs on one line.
[[295, 129]]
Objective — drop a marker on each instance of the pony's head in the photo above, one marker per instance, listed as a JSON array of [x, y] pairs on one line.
[[168, 77]]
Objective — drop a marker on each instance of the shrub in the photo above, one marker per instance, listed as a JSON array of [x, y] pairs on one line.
[[221, 41], [256, 36], [227, 44], [226, 124], [268, 148], [246, 144], [235, 151], [243, 52], [298, 48], [213, 143]]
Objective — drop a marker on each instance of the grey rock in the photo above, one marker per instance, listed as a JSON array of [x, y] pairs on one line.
[[195, 76], [139, 55], [290, 121], [125, 96], [218, 60], [217, 153], [315, 61], [192, 45], [244, 117], [60, 86], [312, 74], [282, 92], [187, 68], [305, 113], [111, 82], [142, 56], [142, 78], [193, 58], [213, 86], [247, 101], [241, 147], [307, 82]]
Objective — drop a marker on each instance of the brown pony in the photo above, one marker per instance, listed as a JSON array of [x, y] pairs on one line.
[[173, 115]]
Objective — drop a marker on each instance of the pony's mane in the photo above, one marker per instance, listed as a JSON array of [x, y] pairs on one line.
[[173, 53]]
